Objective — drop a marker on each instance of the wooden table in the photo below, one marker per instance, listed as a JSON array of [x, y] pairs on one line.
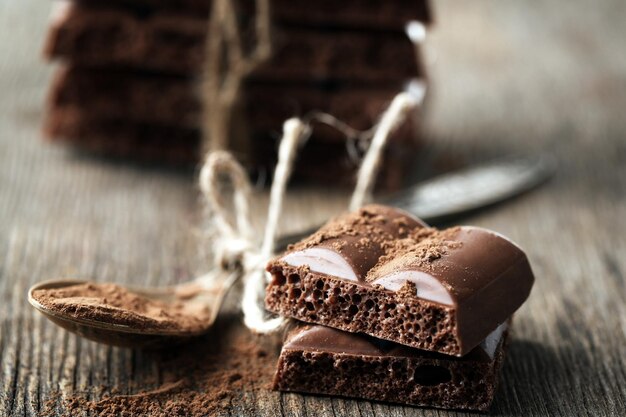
[[509, 76]]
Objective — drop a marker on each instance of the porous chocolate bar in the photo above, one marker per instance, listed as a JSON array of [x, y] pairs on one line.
[[381, 14], [382, 272], [175, 101], [319, 162], [320, 360], [177, 146], [175, 44]]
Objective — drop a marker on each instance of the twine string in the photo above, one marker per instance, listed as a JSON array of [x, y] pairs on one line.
[[398, 110], [234, 239], [254, 314], [294, 132], [235, 244], [226, 67]]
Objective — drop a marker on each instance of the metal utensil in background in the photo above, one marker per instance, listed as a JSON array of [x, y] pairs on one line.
[[472, 188], [463, 191]]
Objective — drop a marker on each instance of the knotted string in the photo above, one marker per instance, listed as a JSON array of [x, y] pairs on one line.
[[234, 240], [225, 69], [235, 245]]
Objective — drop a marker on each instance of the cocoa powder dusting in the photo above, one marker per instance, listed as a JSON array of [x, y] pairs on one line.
[[369, 226], [380, 235], [421, 249], [204, 378], [114, 304], [408, 290], [432, 244]]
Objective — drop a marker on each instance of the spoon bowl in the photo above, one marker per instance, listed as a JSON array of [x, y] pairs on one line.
[[204, 292]]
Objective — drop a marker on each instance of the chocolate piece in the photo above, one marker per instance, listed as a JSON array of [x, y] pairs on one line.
[[319, 162], [137, 97], [347, 13], [320, 360], [109, 37], [175, 101], [175, 44], [359, 106], [123, 139], [381, 272]]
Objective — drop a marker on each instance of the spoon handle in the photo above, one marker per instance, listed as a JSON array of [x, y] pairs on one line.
[[472, 188], [463, 191]]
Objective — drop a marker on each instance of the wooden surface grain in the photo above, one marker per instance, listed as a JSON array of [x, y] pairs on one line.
[[509, 76]]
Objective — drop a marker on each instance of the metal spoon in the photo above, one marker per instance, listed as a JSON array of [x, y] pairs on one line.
[[202, 291], [443, 196]]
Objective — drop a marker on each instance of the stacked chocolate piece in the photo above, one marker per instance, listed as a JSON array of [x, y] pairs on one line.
[[130, 81], [393, 310]]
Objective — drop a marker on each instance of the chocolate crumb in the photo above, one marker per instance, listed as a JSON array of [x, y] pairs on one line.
[[408, 290], [367, 229]]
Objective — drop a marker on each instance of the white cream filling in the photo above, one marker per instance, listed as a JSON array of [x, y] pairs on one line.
[[490, 344], [428, 287], [324, 261]]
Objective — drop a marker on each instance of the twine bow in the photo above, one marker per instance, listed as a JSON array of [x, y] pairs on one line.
[[236, 245], [225, 69]]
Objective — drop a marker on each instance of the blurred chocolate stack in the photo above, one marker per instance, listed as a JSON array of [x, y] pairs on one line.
[[129, 84]]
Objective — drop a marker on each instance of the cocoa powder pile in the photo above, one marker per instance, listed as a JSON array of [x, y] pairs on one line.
[[114, 304], [215, 375]]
